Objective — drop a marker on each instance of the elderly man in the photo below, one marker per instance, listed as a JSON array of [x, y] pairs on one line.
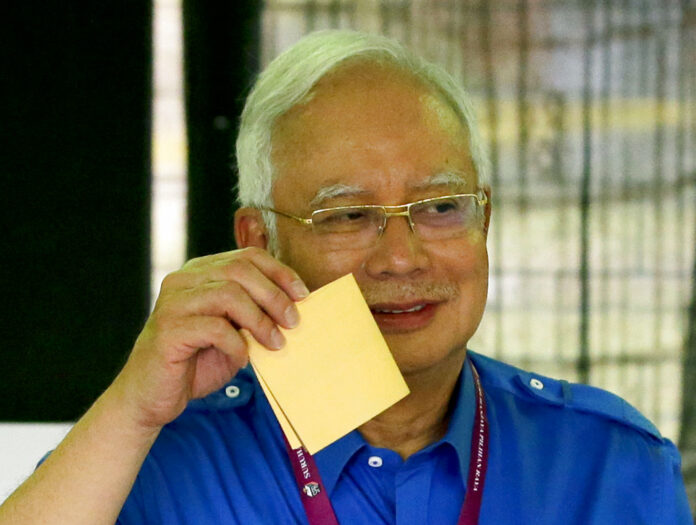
[[354, 156]]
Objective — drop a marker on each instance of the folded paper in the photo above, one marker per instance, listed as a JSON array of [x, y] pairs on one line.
[[335, 371]]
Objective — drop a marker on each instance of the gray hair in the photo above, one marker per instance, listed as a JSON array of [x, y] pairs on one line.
[[290, 77]]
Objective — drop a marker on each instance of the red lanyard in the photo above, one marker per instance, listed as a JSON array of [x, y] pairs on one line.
[[318, 507]]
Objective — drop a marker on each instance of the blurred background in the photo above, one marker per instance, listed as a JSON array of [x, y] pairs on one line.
[[118, 165]]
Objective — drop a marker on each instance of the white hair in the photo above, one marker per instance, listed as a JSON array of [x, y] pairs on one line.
[[290, 77]]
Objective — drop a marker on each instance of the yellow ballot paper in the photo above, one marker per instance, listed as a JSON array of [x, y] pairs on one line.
[[335, 371]]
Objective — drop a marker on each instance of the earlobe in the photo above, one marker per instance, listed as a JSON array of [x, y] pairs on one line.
[[250, 228]]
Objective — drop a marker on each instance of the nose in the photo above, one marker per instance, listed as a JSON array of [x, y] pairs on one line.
[[398, 251]]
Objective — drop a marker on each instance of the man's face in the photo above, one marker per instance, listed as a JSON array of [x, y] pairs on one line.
[[374, 136]]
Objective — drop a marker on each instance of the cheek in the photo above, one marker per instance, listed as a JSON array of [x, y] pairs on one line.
[[462, 261], [315, 266], [471, 275], [469, 270]]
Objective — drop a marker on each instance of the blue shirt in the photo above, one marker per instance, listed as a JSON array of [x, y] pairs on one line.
[[559, 453]]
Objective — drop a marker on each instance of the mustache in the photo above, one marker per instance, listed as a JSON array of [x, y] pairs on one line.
[[408, 291]]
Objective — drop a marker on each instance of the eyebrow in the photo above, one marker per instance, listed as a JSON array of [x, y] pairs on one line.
[[336, 190], [444, 178]]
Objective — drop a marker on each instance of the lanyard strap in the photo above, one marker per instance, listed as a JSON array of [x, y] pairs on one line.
[[316, 502], [478, 458], [312, 491]]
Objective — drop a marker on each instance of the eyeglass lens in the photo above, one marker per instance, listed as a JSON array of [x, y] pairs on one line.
[[360, 226]]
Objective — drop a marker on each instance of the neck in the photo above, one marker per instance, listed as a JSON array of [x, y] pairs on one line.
[[422, 417]]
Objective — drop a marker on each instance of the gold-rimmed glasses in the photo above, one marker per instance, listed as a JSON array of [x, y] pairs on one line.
[[437, 218]]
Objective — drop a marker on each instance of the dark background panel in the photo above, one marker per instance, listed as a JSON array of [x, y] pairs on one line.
[[222, 43], [75, 167]]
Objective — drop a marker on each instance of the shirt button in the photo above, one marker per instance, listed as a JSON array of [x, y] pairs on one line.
[[375, 461], [232, 391], [536, 384]]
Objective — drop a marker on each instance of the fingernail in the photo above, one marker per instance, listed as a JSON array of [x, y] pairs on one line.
[[277, 339], [300, 289], [292, 316]]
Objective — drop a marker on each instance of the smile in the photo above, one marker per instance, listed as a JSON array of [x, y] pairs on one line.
[[416, 308], [400, 318]]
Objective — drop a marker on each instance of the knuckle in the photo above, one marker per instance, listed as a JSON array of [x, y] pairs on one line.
[[219, 328], [230, 290], [237, 269], [253, 251], [169, 282], [192, 263], [163, 305], [238, 345], [276, 296], [260, 319]]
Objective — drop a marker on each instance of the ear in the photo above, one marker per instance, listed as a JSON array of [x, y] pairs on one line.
[[487, 212], [249, 228]]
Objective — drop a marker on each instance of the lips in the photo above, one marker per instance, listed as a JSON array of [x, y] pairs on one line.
[[404, 317], [416, 308]]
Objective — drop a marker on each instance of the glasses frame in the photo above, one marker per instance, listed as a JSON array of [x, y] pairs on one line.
[[400, 210]]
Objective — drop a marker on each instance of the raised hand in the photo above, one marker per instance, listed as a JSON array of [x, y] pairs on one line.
[[191, 345]]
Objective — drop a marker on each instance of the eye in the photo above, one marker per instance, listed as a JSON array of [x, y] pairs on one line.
[[445, 207], [448, 212], [343, 216], [343, 220], [440, 207]]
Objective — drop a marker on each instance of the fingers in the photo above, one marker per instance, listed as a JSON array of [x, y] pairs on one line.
[[265, 291], [249, 288], [228, 265], [284, 276], [191, 344], [202, 332], [176, 359], [230, 301]]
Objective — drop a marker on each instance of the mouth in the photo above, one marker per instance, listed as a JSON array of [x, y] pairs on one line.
[[404, 317], [383, 310]]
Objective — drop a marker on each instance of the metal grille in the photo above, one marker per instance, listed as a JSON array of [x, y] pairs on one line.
[[589, 110]]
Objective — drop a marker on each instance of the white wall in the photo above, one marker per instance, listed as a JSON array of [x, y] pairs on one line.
[[22, 445]]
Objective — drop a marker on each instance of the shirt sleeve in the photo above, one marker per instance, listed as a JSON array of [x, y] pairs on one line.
[[675, 504]]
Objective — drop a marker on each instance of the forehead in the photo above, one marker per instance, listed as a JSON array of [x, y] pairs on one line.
[[368, 126]]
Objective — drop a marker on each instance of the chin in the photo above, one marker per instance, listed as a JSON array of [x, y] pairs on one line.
[[414, 355]]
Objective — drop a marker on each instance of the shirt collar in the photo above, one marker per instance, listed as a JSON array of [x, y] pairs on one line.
[[462, 421], [333, 459]]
